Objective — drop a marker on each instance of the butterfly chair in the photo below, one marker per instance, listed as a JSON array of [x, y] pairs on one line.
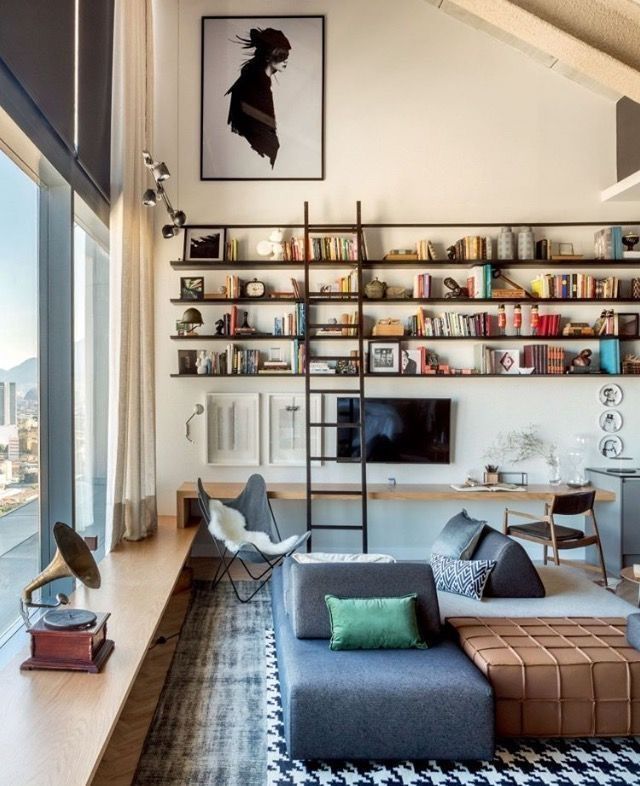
[[545, 530], [254, 505]]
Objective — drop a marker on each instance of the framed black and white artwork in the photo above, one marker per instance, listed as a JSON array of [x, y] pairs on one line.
[[287, 428], [262, 98], [204, 243], [233, 429]]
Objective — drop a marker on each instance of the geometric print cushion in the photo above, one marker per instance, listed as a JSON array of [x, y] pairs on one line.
[[462, 577]]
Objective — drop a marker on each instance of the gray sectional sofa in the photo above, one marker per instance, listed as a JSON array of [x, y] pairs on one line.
[[383, 704]]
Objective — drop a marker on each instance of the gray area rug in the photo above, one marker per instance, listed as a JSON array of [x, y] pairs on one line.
[[209, 727]]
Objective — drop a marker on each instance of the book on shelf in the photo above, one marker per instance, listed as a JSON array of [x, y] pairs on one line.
[[402, 255], [607, 243], [421, 285], [570, 286], [610, 356], [291, 323], [449, 324], [631, 254], [472, 247], [479, 281]]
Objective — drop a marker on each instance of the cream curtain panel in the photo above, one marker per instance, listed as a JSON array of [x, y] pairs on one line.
[[132, 511]]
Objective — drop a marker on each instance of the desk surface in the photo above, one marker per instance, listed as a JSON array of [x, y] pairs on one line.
[[378, 491], [57, 723]]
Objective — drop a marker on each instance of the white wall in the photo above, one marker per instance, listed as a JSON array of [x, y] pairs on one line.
[[426, 120]]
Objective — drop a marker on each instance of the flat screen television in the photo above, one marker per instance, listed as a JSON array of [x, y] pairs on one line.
[[397, 430]]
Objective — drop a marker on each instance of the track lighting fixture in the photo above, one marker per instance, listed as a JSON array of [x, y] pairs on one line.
[[151, 196]]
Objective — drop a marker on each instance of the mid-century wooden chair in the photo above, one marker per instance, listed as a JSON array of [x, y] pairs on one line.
[[545, 530]]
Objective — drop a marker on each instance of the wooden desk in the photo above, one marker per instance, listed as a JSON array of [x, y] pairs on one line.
[[426, 492], [58, 724]]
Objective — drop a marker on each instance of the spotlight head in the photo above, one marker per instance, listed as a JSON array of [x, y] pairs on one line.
[[147, 158], [149, 198], [179, 218], [198, 409], [160, 172], [169, 230]]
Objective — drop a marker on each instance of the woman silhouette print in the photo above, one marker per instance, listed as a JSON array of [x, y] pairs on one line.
[[251, 111]]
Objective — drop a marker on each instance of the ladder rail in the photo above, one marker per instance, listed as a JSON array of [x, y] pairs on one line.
[[357, 392]]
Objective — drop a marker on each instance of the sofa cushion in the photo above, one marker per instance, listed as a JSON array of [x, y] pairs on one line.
[[633, 630], [459, 537], [462, 577], [309, 583], [514, 575], [374, 623]]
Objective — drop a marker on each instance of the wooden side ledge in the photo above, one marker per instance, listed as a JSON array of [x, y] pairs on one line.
[[59, 723]]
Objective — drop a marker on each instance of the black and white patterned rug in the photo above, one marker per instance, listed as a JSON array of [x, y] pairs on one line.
[[530, 762]]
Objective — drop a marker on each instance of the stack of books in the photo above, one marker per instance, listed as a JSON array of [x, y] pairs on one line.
[[450, 324], [473, 247], [479, 281], [567, 286], [421, 285], [544, 358]]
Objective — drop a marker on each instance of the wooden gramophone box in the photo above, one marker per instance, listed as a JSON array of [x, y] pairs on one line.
[[70, 650]]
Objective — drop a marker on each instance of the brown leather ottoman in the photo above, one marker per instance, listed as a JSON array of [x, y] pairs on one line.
[[556, 676]]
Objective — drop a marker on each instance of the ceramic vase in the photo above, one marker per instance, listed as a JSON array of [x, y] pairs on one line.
[[526, 243], [506, 244]]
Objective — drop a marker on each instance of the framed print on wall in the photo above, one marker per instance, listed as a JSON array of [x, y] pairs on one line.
[[233, 429], [287, 425], [262, 98]]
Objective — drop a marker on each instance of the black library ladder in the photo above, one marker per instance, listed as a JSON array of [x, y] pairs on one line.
[[311, 325]]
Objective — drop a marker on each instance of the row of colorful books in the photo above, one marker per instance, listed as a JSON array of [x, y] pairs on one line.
[[473, 247], [479, 281], [422, 285], [568, 286], [324, 247], [544, 358], [449, 324]]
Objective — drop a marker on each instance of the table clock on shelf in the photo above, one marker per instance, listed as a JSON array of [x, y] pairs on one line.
[[66, 639]]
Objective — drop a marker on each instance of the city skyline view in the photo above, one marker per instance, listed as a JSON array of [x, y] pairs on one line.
[[18, 265]]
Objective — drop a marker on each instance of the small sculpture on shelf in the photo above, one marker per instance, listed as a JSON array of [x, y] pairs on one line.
[[581, 362], [273, 247], [517, 319], [451, 252], [534, 320], [630, 239], [220, 327], [203, 363], [502, 319], [456, 292], [245, 328]]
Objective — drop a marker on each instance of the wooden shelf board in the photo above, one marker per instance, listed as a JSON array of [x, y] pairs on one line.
[[409, 376], [217, 301], [231, 339]]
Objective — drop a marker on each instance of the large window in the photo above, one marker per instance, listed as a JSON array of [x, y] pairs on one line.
[[91, 370], [19, 387]]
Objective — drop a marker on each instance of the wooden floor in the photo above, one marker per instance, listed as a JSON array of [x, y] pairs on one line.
[[121, 757]]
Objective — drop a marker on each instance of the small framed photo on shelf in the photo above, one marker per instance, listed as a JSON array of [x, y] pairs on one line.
[[410, 361], [628, 325], [506, 361], [204, 244], [192, 288], [187, 361], [384, 357]]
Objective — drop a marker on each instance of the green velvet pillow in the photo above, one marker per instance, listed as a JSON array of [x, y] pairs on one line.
[[374, 623]]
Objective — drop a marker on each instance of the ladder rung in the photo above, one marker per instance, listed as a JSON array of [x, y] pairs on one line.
[[336, 391], [335, 425], [336, 492], [333, 228], [349, 460], [337, 526]]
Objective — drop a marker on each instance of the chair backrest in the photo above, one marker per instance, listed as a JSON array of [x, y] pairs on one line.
[[253, 503], [573, 504], [203, 502]]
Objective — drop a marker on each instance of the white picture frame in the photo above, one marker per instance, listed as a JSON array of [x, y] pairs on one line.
[[233, 429], [287, 423]]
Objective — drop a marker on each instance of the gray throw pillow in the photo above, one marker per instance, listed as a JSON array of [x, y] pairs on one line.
[[459, 537], [462, 577]]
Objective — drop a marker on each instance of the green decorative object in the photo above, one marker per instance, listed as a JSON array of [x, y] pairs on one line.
[[374, 623]]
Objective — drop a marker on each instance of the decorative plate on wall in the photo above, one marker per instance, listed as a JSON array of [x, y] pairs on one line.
[[610, 420], [610, 446], [610, 395]]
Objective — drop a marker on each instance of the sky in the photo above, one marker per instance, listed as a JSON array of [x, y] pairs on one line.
[[18, 265]]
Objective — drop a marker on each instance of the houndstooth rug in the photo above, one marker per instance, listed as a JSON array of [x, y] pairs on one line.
[[583, 762]]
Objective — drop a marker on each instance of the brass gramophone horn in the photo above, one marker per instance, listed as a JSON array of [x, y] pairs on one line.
[[72, 558]]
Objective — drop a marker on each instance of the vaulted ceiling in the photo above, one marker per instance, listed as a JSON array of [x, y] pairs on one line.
[[594, 42]]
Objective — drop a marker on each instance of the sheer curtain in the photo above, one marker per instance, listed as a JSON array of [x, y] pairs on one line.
[[131, 491]]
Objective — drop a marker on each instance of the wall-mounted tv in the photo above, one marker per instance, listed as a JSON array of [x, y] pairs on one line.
[[397, 430]]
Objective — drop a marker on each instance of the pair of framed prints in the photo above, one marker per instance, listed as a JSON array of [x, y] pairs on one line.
[[610, 421], [233, 426]]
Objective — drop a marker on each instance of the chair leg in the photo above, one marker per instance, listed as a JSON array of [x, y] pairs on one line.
[[505, 521], [602, 565], [252, 595], [545, 554]]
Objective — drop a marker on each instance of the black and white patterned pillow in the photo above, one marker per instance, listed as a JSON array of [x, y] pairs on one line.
[[462, 577]]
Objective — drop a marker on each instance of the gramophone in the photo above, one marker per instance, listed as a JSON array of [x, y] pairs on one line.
[[66, 639]]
